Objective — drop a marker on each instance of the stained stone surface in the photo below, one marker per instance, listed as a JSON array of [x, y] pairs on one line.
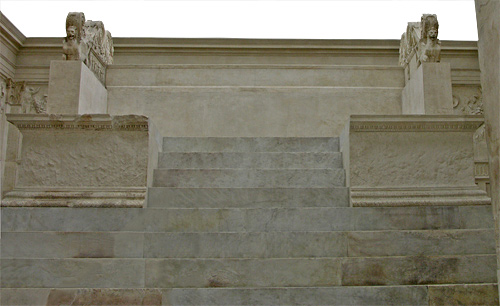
[[74, 89], [412, 160], [83, 158], [251, 144], [196, 160], [414, 270], [72, 245], [488, 27], [243, 272], [72, 273], [255, 178], [472, 294], [242, 220], [247, 197], [428, 92]]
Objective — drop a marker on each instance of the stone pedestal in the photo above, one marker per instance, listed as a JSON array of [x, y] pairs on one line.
[[411, 160], [428, 90], [74, 89], [80, 161]]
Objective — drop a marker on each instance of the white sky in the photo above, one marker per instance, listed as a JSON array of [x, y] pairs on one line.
[[326, 19]]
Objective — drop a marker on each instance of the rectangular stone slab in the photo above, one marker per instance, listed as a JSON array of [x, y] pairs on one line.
[[268, 160], [165, 197], [245, 220]]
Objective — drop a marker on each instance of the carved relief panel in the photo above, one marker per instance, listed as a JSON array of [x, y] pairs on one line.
[[467, 100], [23, 98]]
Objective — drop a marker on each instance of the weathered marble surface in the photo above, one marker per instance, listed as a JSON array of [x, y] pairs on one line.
[[428, 91], [65, 154], [480, 295], [412, 160], [246, 244], [247, 197], [72, 245], [168, 273], [406, 243], [488, 25], [73, 273], [251, 144], [473, 294], [74, 89], [254, 178], [197, 160], [245, 220], [262, 111], [414, 270]]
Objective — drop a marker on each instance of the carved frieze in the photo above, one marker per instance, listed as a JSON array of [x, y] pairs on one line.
[[89, 42], [3, 95], [420, 40], [25, 99], [468, 101]]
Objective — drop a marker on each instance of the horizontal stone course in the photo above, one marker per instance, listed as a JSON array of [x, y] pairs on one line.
[[72, 273], [268, 160], [420, 295], [417, 270], [241, 178], [245, 220], [246, 245], [393, 295], [251, 144], [164, 197], [72, 245], [272, 272], [255, 75]]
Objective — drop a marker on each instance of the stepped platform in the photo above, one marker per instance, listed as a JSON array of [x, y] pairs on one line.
[[249, 221]]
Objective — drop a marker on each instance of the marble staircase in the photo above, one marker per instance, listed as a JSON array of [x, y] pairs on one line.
[[249, 221]]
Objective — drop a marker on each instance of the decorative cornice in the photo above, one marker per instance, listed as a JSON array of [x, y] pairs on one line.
[[11, 33], [76, 197], [79, 122], [418, 196], [414, 123]]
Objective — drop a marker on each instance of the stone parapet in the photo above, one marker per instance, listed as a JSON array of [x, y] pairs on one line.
[[411, 160], [80, 160]]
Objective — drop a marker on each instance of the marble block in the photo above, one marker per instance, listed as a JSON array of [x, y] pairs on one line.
[[411, 160], [80, 160], [74, 89], [428, 91]]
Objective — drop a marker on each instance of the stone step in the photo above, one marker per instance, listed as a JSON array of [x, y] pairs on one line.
[[259, 273], [472, 294], [249, 178], [268, 160], [254, 75], [246, 245], [251, 144], [245, 220], [164, 197]]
